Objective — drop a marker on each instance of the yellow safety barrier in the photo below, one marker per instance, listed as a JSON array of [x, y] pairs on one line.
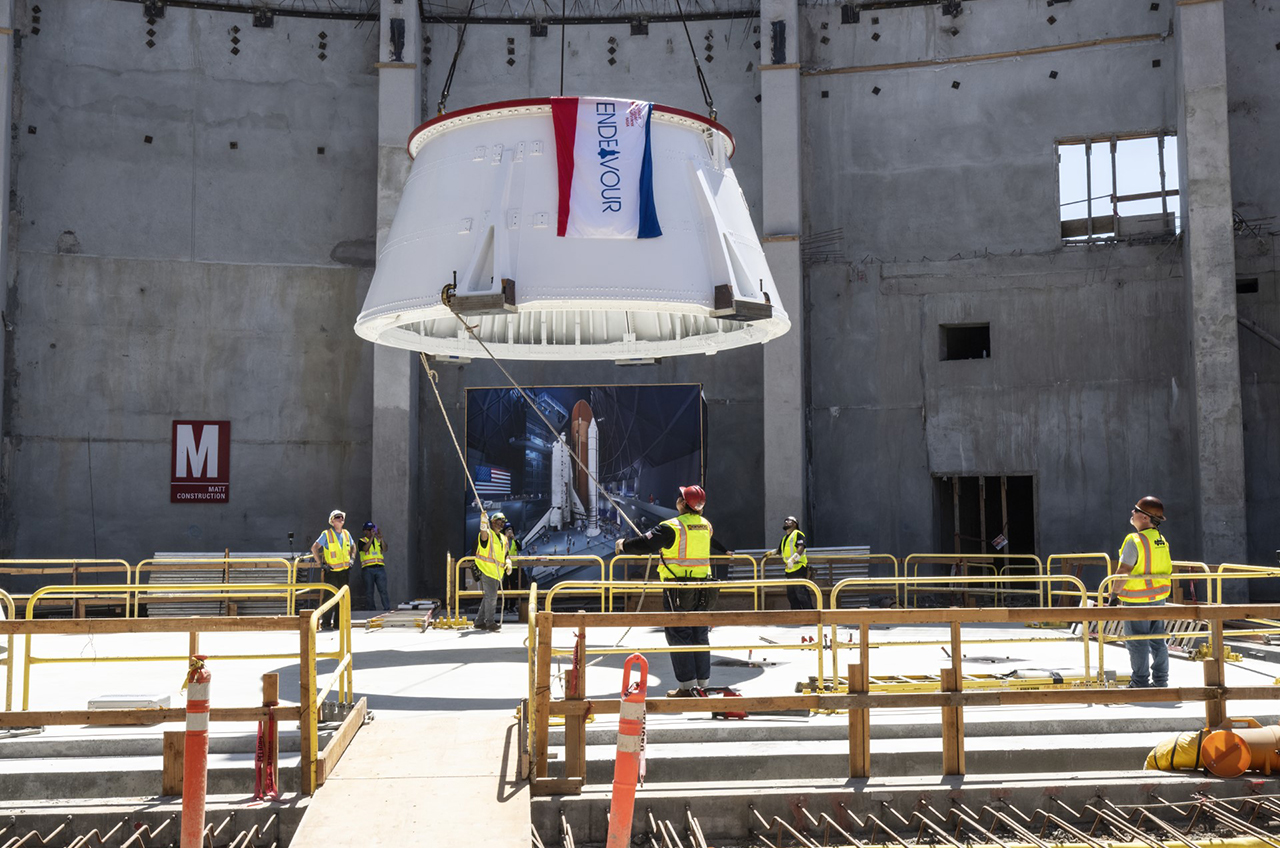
[[1077, 591], [952, 694], [228, 564], [11, 612], [74, 567], [1076, 562], [200, 591], [831, 562], [967, 561], [650, 564], [342, 676], [599, 588], [752, 586]]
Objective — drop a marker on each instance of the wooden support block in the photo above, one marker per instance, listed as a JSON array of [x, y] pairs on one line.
[[859, 723], [332, 753], [175, 747], [575, 727], [1215, 709], [543, 786], [952, 728], [542, 694]]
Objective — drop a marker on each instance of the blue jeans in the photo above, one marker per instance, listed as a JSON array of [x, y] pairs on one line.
[[1148, 658], [375, 576]]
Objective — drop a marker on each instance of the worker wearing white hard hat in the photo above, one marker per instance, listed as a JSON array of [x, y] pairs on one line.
[[796, 563], [334, 550], [491, 562]]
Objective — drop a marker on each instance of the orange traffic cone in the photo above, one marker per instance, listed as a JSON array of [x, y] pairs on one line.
[[628, 769]]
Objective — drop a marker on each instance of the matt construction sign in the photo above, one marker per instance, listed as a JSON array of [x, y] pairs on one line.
[[201, 463]]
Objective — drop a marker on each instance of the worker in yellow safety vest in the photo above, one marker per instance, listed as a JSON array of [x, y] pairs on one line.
[[373, 562], [491, 560], [1145, 569], [685, 544], [792, 551], [333, 549]]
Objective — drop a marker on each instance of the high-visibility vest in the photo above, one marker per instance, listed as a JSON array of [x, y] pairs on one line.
[[337, 549], [1149, 581], [788, 547], [373, 556], [491, 556], [689, 556]]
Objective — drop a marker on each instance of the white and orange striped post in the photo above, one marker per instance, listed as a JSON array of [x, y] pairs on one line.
[[628, 769], [195, 761]]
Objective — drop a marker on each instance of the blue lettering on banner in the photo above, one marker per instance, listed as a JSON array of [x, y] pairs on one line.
[[607, 148]]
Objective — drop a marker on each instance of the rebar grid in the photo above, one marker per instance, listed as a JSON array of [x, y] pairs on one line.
[[128, 833], [1251, 821]]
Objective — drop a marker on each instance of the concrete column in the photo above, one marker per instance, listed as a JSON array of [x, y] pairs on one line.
[[785, 418], [6, 273], [395, 372], [1209, 266]]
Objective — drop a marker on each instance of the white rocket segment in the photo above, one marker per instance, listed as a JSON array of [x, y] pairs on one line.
[[482, 203], [593, 464]]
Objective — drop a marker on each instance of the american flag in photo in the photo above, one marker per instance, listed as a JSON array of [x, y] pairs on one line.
[[492, 481]]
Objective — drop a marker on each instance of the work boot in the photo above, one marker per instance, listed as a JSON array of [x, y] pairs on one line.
[[1134, 683], [680, 693]]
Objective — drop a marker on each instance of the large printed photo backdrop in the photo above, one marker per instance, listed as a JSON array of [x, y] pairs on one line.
[[640, 442]]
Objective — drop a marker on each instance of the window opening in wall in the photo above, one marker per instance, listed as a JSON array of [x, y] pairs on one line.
[[965, 341], [1119, 186], [1246, 285]]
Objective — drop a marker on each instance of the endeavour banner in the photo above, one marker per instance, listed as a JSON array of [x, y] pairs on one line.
[[605, 168]]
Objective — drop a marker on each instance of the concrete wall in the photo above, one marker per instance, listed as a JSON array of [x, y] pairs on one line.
[[183, 279], [177, 277], [947, 203]]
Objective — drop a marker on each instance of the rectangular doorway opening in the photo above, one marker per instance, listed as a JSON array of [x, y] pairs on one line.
[[987, 514]]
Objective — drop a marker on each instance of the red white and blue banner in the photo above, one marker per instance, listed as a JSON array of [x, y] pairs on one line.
[[605, 168]]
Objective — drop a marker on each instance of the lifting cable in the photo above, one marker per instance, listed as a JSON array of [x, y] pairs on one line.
[[446, 297], [702, 79], [453, 66]]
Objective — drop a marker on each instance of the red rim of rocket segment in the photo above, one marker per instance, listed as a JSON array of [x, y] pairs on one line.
[[536, 105]]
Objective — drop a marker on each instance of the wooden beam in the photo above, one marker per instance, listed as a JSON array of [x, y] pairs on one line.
[[543, 786], [895, 700], [575, 727], [952, 728], [859, 724], [43, 626], [1215, 708], [332, 753], [142, 716], [175, 747], [856, 617], [542, 694], [307, 720]]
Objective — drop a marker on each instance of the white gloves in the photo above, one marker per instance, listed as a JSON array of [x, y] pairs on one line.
[[617, 546], [484, 523], [793, 559]]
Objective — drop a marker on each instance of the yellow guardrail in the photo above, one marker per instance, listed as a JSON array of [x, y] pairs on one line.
[[967, 561], [203, 591], [228, 565], [641, 586], [342, 676], [650, 563], [1078, 562], [74, 567], [830, 560], [11, 611], [599, 588], [1078, 592]]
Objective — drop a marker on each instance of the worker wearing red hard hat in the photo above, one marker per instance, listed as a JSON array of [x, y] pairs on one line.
[[685, 544], [1146, 565]]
